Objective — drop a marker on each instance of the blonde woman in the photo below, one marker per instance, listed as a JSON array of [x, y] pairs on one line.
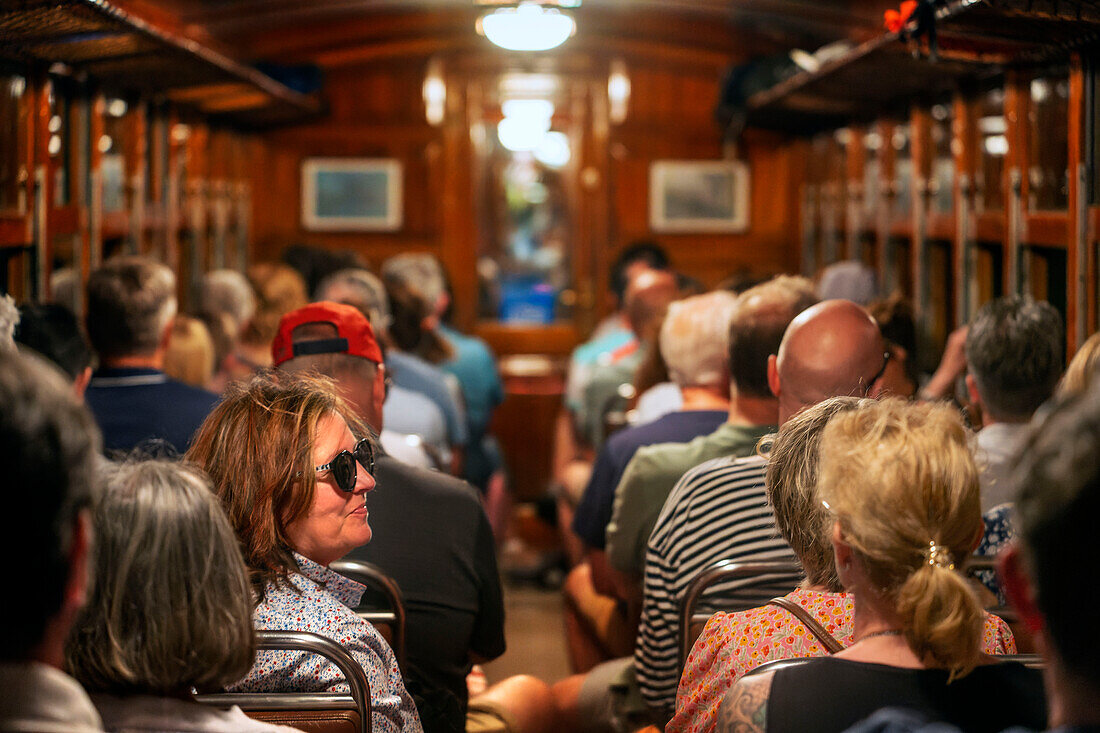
[[170, 608], [902, 492]]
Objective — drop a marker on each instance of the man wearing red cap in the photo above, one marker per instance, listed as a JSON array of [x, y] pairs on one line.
[[429, 528]]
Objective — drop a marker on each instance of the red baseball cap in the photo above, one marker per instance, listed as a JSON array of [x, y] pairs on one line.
[[354, 336]]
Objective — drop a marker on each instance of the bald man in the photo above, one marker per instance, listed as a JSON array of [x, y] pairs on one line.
[[719, 509]]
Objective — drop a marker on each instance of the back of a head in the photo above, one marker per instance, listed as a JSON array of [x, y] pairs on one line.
[[694, 340], [419, 271], [279, 289], [901, 481], [171, 606], [848, 280], [228, 292], [48, 446], [1014, 351], [131, 300], [791, 482], [831, 349], [64, 287], [360, 289], [648, 295], [54, 332], [1057, 476], [756, 330], [646, 253], [190, 353]]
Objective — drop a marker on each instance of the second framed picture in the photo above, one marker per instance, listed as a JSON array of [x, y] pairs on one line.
[[351, 194], [698, 196]]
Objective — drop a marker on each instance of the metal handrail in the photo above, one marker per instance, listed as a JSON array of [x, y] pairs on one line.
[[371, 575], [721, 571], [1031, 661], [304, 641]]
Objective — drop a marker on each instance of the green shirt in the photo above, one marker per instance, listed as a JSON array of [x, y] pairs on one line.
[[649, 479]]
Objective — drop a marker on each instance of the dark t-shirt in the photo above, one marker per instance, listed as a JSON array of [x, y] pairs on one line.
[[833, 694], [594, 511], [137, 406], [430, 533]]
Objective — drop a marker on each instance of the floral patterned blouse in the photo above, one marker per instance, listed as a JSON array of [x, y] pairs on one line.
[[734, 643], [320, 600]]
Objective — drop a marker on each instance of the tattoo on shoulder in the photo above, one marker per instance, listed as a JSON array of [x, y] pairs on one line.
[[745, 707]]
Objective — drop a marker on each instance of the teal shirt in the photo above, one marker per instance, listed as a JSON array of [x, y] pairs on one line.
[[649, 479]]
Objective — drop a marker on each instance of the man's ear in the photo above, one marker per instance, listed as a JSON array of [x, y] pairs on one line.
[[80, 384], [972, 390], [1011, 566], [76, 588], [773, 375]]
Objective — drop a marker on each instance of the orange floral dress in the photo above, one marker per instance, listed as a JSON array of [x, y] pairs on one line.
[[734, 643]]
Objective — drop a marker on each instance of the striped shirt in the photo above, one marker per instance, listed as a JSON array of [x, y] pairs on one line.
[[718, 511]]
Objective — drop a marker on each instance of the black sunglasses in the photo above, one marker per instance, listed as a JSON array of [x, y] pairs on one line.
[[343, 463], [878, 375]]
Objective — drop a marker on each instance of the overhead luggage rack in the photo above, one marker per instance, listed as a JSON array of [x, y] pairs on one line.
[[127, 54], [978, 40]]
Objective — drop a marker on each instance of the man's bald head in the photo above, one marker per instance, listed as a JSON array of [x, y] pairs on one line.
[[648, 296], [833, 349]]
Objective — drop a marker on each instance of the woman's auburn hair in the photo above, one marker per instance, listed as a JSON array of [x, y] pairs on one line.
[[899, 476], [170, 607], [257, 447]]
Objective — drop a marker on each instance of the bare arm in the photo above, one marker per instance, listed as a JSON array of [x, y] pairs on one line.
[[744, 708]]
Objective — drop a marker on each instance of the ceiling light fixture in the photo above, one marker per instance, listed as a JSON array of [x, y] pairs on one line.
[[527, 27]]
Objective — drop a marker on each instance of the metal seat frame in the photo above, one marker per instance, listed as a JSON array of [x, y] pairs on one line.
[[375, 577], [721, 571], [304, 641]]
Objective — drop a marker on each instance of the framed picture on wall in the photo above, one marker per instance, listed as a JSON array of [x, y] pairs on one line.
[[351, 194], [698, 196]]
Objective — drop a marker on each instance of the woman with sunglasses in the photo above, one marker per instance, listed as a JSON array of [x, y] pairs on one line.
[[294, 478]]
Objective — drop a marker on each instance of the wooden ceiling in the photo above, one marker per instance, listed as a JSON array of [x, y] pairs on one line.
[[324, 31]]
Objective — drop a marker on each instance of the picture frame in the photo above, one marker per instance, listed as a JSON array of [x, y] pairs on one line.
[[698, 196], [352, 194]]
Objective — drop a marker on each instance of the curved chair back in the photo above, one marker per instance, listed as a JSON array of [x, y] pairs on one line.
[[392, 617], [762, 577], [1032, 661], [314, 711]]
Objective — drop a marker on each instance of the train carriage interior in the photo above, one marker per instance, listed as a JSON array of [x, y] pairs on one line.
[[560, 236]]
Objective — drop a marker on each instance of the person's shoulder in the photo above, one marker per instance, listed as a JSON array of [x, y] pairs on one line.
[[430, 484], [194, 395]]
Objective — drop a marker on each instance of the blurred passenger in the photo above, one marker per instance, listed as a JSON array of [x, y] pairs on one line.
[[279, 289], [894, 316], [189, 357], [695, 341], [227, 305], [848, 280], [131, 308], [48, 445], [55, 333], [471, 361], [413, 372], [406, 413], [1082, 368], [64, 288], [1014, 356], [732, 644], [917, 624], [293, 479], [1057, 501], [163, 619]]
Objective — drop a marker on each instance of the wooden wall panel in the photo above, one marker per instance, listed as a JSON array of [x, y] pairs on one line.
[[376, 111]]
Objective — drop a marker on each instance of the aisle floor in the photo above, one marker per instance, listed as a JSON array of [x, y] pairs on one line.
[[535, 633]]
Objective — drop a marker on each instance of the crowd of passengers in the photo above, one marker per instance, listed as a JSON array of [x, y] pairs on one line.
[[181, 482]]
